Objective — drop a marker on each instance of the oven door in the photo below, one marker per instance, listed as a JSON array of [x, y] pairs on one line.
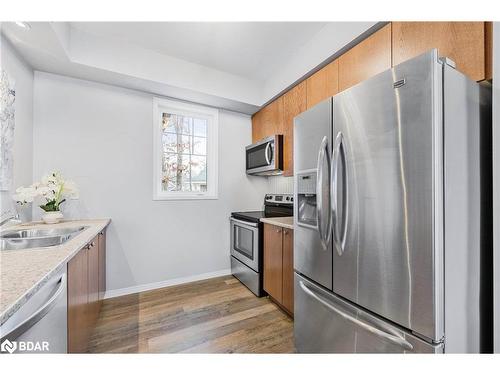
[[245, 242]]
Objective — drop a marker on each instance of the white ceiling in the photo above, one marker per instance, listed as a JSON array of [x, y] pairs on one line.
[[249, 49], [236, 65]]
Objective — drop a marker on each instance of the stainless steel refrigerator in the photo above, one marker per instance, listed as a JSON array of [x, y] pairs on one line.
[[390, 252]]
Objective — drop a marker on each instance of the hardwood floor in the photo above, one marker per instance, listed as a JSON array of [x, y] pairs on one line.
[[218, 315]]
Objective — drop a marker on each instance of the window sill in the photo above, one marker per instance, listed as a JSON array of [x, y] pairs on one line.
[[184, 197]]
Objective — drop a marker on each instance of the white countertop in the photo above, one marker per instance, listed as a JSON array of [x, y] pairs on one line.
[[23, 272], [285, 222]]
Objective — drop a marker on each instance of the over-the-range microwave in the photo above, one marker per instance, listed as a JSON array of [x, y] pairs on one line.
[[265, 158]]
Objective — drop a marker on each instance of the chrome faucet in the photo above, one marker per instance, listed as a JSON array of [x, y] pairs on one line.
[[10, 219]]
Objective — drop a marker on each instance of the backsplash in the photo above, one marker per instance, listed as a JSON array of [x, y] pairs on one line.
[[279, 185]]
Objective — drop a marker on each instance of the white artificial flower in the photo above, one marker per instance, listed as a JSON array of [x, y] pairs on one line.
[[70, 190], [52, 187], [25, 195], [51, 179]]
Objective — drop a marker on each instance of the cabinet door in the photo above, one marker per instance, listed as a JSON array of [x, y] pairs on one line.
[[273, 262], [294, 103], [366, 59], [463, 42], [78, 332], [288, 269], [102, 264], [93, 280], [257, 128], [268, 121], [323, 84]]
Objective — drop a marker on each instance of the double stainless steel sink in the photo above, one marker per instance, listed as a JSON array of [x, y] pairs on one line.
[[21, 239]]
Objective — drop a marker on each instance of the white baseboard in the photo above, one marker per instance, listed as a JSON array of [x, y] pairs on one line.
[[165, 283]]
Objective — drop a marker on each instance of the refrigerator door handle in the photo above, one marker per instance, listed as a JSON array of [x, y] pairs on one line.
[[339, 146], [378, 332], [323, 153]]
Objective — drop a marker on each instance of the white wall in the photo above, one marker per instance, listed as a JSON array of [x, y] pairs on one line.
[[279, 185], [496, 181], [22, 74], [101, 137]]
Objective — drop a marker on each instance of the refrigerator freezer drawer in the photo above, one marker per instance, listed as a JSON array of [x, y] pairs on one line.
[[325, 323]]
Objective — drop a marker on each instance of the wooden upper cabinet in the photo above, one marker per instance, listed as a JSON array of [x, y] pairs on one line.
[[463, 42], [294, 103], [323, 84], [257, 129], [268, 121], [366, 59], [488, 53]]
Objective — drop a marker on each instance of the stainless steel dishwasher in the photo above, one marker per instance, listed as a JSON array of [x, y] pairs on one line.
[[40, 325]]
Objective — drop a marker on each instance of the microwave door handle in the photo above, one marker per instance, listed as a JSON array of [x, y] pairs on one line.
[[323, 153], [378, 332], [266, 153]]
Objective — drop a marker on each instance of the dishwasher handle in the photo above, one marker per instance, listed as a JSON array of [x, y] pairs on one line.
[[34, 318]]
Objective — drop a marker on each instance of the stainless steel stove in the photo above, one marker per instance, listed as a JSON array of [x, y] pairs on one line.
[[247, 239]]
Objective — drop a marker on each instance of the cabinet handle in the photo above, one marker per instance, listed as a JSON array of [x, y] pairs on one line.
[[278, 230], [285, 231]]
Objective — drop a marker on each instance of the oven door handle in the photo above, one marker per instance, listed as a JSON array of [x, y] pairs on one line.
[[247, 223]]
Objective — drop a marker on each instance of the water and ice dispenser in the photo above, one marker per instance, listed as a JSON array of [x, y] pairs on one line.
[[306, 199]]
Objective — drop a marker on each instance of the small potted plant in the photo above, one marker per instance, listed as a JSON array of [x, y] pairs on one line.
[[53, 190]]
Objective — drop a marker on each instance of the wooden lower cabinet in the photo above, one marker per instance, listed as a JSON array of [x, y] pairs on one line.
[[78, 298], [288, 269], [85, 274], [273, 261], [102, 264], [278, 265], [94, 304]]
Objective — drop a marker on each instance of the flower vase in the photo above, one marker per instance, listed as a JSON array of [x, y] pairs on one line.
[[52, 217]]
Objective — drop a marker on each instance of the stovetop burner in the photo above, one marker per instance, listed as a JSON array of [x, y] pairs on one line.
[[275, 205]]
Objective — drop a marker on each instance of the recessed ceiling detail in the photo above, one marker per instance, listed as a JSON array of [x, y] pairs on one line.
[[233, 65]]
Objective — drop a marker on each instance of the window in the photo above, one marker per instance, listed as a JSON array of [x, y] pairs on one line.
[[185, 150]]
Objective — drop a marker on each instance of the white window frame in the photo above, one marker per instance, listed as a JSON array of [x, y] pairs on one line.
[[212, 115]]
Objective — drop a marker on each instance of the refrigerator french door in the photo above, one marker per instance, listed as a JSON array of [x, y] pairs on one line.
[[374, 176]]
